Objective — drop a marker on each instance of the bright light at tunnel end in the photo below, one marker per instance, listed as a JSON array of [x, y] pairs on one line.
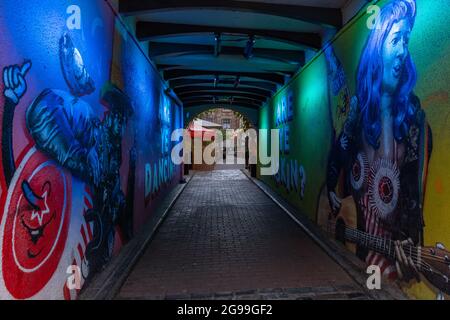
[[206, 147]]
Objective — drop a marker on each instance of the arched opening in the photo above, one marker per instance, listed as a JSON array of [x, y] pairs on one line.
[[222, 135], [226, 118], [250, 115]]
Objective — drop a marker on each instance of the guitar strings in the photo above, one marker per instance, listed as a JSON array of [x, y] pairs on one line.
[[419, 263], [376, 238]]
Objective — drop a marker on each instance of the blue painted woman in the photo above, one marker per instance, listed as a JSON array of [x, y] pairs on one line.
[[385, 144]]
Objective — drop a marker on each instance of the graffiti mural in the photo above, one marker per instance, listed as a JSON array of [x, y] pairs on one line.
[[381, 156], [291, 174], [36, 212], [68, 136], [377, 175], [386, 142], [73, 150]]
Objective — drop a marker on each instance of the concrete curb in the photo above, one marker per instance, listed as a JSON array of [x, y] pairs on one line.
[[107, 284], [350, 263]]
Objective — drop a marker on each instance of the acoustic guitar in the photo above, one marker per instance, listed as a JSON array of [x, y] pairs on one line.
[[432, 262]]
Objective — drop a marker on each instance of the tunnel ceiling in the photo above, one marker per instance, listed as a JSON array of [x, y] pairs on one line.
[[231, 53]]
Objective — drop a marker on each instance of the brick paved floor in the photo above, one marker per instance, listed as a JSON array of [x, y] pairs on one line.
[[235, 164], [224, 238]]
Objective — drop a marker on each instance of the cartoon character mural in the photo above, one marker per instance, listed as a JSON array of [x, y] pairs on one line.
[[71, 146], [377, 167], [339, 87]]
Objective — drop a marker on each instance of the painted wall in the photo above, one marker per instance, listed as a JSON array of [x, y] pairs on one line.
[[365, 138], [85, 143]]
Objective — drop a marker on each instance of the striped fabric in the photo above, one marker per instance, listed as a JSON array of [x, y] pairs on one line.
[[374, 227], [86, 237]]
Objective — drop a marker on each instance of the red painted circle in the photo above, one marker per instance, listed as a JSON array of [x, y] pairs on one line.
[[386, 189], [356, 170], [34, 237]]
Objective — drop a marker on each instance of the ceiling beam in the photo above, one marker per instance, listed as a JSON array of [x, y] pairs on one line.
[[147, 30], [220, 105], [180, 73], [199, 65], [331, 17], [182, 83], [222, 99], [161, 49], [260, 92], [208, 93]]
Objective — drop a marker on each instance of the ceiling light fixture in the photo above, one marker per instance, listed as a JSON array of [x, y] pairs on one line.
[[248, 52], [237, 81], [216, 81], [218, 45]]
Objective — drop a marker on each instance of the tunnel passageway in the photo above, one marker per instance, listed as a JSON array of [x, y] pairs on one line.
[[225, 238]]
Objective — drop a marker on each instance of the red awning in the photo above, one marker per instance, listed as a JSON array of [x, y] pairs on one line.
[[199, 131]]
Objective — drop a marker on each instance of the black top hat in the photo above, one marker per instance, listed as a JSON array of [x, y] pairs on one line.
[[116, 100]]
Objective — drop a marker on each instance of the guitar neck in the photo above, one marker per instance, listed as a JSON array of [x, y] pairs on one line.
[[380, 245]]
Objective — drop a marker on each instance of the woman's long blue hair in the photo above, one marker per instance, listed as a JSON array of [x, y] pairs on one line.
[[370, 76]]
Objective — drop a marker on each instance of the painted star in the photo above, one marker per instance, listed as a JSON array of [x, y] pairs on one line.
[[40, 214]]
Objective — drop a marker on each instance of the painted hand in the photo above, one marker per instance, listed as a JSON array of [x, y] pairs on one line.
[[406, 268], [352, 118], [14, 81], [344, 142], [335, 202]]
